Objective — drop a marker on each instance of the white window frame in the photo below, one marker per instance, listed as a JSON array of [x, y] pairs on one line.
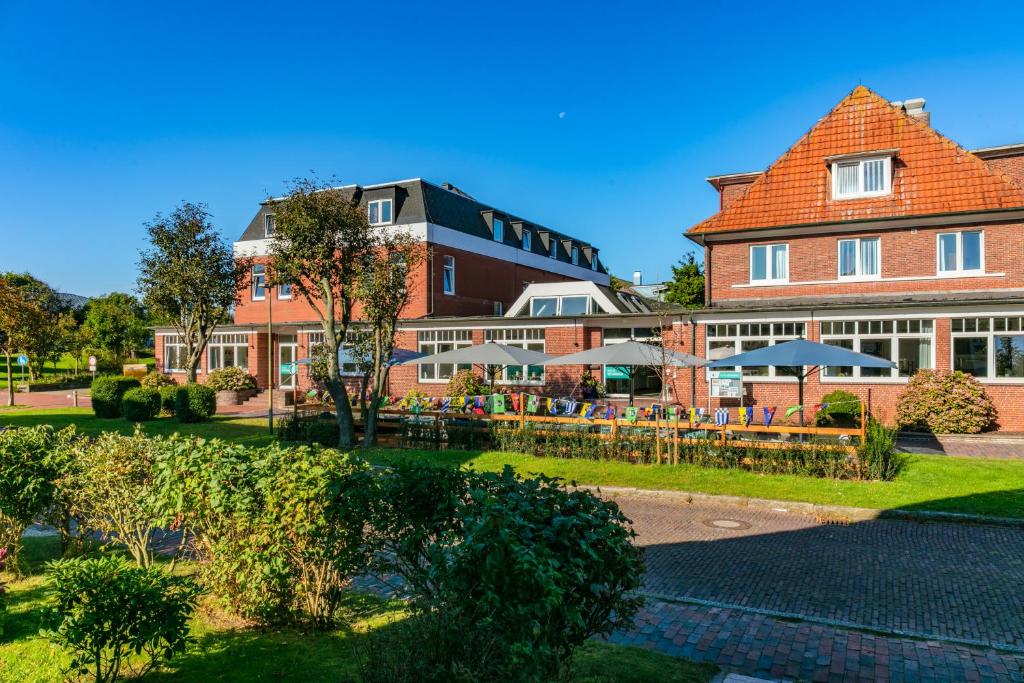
[[768, 250], [861, 164], [558, 304], [222, 340], [527, 240], [960, 270], [772, 332], [862, 330], [593, 261], [640, 334], [429, 341], [448, 265], [524, 338], [575, 256], [173, 341], [380, 211], [284, 291], [262, 278], [553, 248], [859, 265], [990, 334], [499, 229], [269, 225]]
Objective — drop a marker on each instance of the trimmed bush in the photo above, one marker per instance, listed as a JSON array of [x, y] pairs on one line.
[[230, 379], [168, 395], [195, 403], [842, 410], [107, 392], [157, 380], [140, 404], [105, 610], [943, 402]]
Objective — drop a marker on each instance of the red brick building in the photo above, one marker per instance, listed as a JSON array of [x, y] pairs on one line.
[[873, 232]]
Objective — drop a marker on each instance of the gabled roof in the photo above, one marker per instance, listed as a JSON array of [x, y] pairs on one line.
[[605, 298], [933, 175]]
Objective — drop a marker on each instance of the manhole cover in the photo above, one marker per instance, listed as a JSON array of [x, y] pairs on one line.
[[726, 524]]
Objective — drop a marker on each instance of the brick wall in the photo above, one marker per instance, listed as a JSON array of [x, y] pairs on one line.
[[904, 253], [1011, 166], [730, 193]]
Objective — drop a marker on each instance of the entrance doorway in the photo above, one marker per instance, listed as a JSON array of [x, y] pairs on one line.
[[287, 355]]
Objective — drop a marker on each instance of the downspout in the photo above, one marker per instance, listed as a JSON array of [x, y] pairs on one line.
[[693, 371], [430, 280]]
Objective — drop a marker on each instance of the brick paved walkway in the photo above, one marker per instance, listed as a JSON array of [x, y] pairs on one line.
[[935, 580], [51, 399]]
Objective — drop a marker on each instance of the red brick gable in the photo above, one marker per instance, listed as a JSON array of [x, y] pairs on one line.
[[932, 174]]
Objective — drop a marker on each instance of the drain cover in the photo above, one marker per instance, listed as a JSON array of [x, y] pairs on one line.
[[726, 524]]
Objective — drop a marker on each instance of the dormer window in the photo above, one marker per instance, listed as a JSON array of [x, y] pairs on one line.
[[554, 248], [499, 230], [575, 256], [268, 225], [593, 261], [527, 240], [863, 177], [379, 211]]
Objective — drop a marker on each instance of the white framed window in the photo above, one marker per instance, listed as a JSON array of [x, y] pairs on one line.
[[960, 253], [269, 224], [989, 348], [553, 251], [910, 343], [438, 341], [174, 353], [284, 291], [593, 260], [229, 350], [352, 336], [547, 306], [531, 339], [575, 256], [259, 282], [867, 177], [499, 229], [448, 275], [527, 240], [379, 211], [769, 263], [728, 339], [860, 258]]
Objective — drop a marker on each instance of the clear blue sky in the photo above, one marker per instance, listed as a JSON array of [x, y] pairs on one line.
[[600, 119]]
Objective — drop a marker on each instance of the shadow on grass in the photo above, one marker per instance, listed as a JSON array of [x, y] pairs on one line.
[[24, 615]]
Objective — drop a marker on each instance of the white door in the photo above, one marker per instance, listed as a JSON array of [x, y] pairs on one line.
[[287, 355]]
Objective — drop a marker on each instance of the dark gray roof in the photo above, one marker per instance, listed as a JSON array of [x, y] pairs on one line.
[[418, 200]]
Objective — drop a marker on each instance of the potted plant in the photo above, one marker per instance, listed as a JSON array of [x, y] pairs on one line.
[[233, 385]]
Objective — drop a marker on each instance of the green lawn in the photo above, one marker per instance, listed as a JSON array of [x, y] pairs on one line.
[[225, 651], [65, 365]]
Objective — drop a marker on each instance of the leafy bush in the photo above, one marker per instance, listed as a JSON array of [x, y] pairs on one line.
[[466, 383], [311, 429], [157, 380], [230, 379], [168, 397], [140, 404], [195, 403], [107, 392], [106, 609], [507, 575], [412, 397], [3, 589], [109, 490], [842, 410], [944, 402], [31, 460], [877, 456]]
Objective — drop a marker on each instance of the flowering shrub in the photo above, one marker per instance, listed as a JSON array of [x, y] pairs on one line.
[[412, 398], [155, 380], [944, 403], [230, 379]]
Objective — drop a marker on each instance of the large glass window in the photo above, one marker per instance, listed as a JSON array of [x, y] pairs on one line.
[[1009, 355], [575, 305], [870, 177], [646, 381], [543, 306], [174, 353], [448, 275], [438, 341], [960, 252], [769, 263], [530, 339], [970, 354], [728, 339], [379, 211], [547, 306], [989, 347], [259, 282], [908, 343], [229, 351], [859, 258]]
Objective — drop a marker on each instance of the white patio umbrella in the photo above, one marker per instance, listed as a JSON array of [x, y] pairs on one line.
[[491, 353], [631, 354]]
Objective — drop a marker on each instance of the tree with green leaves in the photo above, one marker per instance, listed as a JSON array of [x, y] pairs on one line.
[[16, 315], [321, 244], [190, 277], [116, 323], [687, 285], [40, 337]]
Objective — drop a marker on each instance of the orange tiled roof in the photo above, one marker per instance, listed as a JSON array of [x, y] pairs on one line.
[[932, 173]]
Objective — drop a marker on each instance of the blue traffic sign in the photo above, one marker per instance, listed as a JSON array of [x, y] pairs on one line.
[[22, 359]]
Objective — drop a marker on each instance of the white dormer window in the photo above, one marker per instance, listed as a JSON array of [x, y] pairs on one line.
[[866, 177], [527, 240], [379, 211], [268, 225], [499, 230]]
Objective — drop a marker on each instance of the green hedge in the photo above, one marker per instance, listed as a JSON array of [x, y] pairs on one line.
[[168, 395], [140, 404], [195, 403], [107, 392]]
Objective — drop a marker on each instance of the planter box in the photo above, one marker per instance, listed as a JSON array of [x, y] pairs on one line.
[[234, 398]]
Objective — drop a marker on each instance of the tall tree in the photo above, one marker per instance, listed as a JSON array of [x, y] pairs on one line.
[[116, 323], [383, 290], [41, 340], [322, 242], [16, 316], [687, 285], [189, 277]]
